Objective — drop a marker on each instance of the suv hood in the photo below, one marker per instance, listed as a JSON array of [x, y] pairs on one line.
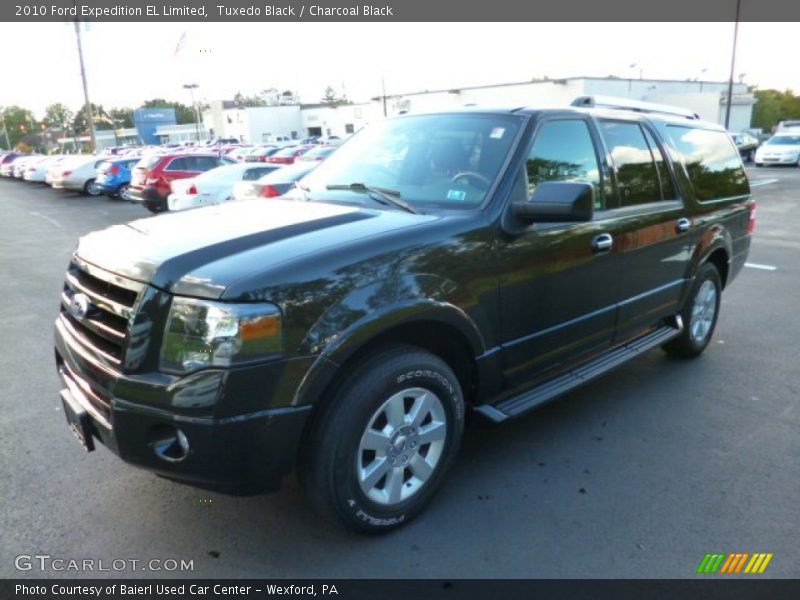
[[187, 252]]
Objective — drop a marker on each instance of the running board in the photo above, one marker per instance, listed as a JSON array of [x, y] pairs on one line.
[[584, 373]]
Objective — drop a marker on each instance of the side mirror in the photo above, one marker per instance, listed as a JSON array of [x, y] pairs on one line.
[[557, 201]]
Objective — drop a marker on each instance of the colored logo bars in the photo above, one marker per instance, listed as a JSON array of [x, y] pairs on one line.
[[734, 563]]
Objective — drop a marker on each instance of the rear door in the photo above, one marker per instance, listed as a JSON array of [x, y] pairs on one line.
[[654, 232]]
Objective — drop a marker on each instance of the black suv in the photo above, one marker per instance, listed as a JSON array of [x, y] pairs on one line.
[[473, 262]]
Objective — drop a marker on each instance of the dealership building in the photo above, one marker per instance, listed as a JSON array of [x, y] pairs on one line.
[[263, 124]]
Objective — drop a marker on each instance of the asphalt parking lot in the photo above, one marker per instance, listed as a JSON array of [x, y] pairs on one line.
[[639, 475]]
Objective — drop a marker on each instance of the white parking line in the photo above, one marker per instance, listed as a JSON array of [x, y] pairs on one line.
[[762, 267], [46, 218], [760, 182]]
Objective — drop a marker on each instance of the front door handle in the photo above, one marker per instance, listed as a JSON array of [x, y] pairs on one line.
[[683, 224], [602, 243]]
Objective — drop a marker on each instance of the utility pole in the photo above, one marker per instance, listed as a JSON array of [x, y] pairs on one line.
[[733, 64], [89, 115]]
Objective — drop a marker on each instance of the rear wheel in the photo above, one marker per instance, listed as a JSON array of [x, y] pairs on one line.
[[124, 192], [92, 188], [699, 315], [383, 445]]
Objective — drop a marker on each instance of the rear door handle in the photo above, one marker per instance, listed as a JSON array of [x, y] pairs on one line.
[[602, 243], [683, 224]]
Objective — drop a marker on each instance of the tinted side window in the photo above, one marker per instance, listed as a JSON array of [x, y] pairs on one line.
[[564, 151], [178, 164], [257, 173], [712, 162], [664, 178], [637, 177], [204, 163]]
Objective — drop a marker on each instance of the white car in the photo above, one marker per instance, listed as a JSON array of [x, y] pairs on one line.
[[37, 171], [78, 176], [780, 149], [214, 186]]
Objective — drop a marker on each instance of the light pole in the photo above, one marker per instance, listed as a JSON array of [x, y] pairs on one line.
[[89, 117], [733, 65], [192, 87]]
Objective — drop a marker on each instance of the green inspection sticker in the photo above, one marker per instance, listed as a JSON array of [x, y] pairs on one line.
[[458, 195]]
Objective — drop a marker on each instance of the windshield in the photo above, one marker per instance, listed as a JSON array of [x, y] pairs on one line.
[[784, 140], [431, 161]]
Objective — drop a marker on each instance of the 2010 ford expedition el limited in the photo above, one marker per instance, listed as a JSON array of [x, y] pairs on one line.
[[437, 266]]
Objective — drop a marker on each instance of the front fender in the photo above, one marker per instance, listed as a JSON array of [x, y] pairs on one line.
[[365, 314]]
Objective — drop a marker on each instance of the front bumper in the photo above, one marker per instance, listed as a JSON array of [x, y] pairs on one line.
[[132, 414], [777, 160]]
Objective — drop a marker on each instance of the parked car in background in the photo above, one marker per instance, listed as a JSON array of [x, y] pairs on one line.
[[6, 161], [780, 149], [261, 153], [287, 156], [784, 126], [36, 171], [274, 184], [114, 177], [239, 154], [78, 176], [152, 176], [318, 154], [746, 144], [18, 165], [214, 186]]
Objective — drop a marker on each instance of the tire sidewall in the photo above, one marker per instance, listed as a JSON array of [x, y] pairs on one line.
[[352, 504], [122, 191], [92, 189], [707, 272]]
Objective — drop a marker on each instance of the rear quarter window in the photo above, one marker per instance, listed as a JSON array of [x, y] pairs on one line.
[[712, 162]]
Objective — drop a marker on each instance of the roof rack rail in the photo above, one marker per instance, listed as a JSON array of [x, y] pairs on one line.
[[633, 105]]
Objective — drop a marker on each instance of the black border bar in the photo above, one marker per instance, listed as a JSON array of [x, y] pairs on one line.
[[401, 11], [705, 588]]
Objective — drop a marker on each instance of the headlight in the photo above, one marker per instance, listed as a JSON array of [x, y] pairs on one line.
[[202, 334]]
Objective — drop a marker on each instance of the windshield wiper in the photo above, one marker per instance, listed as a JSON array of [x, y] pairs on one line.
[[381, 195]]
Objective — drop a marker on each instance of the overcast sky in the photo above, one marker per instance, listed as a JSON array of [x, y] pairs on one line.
[[128, 63]]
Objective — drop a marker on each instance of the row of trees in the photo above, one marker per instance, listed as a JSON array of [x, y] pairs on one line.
[[773, 106], [19, 126]]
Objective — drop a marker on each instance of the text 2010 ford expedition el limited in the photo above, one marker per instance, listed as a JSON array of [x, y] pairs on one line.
[[472, 262]]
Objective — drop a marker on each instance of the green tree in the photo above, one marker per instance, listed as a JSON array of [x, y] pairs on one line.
[[122, 117], [19, 122], [58, 116], [330, 97], [101, 121], [183, 114], [773, 106], [242, 100]]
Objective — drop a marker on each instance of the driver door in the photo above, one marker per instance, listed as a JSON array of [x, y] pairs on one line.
[[559, 282]]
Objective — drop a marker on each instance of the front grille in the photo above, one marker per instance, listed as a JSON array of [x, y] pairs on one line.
[[109, 302]]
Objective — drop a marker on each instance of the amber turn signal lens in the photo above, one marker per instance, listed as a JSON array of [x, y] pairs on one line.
[[261, 327]]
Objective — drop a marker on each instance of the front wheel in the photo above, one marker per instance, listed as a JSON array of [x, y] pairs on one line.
[[380, 450], [699, 315]]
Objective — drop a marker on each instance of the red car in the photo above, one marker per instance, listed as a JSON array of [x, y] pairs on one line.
[[288, 155], [152, 176]]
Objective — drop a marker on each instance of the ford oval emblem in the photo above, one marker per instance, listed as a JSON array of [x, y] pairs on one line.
[[79, 306]]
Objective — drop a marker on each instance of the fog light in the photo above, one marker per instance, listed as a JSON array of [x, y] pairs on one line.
[[169, 443]]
